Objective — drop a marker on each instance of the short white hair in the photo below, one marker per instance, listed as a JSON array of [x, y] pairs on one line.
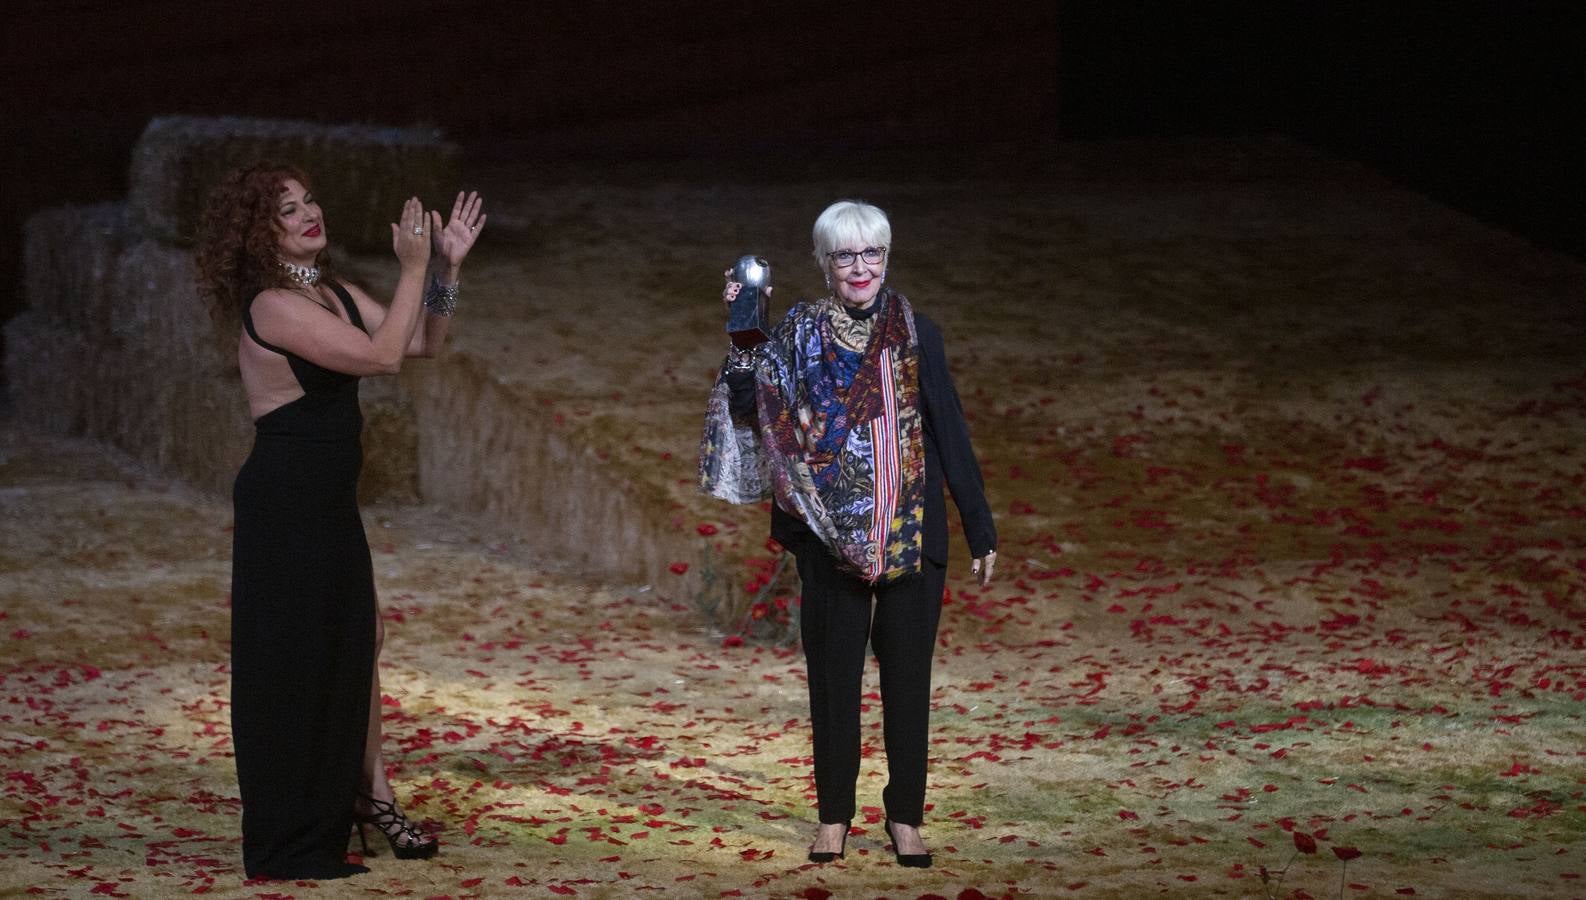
[[850, 222]]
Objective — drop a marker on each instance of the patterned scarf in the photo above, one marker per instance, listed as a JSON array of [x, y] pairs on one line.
[[840, 431]]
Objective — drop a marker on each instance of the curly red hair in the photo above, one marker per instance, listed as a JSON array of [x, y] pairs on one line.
[[238, 239]]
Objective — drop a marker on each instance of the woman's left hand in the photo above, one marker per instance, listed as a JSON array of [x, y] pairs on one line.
[[983, 566], [456, 237]]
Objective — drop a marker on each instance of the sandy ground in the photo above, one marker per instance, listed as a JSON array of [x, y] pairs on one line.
[[1287, 465]]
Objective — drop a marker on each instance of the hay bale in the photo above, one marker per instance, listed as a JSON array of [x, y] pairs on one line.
[[87, 270], [157, 307], [176, 410], [488, 451], [205, 432], [390, 443], [155, 407], [117, 345], [40, 354], [69, 258], [180, 421], [362, 173]]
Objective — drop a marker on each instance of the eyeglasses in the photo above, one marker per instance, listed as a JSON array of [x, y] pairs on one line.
[[845, 258]]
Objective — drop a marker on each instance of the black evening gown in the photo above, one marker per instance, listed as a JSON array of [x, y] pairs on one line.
[[302, 627]]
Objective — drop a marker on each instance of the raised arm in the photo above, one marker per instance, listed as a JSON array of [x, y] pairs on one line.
[[296, 323], [738, 370], [451, 242]]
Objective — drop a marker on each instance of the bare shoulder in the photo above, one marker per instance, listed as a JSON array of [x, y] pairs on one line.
[[280, 301]]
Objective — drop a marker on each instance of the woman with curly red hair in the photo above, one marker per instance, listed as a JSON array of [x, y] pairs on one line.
[[305, 627]]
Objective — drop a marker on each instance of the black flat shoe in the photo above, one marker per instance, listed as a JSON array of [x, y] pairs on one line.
[[907, 860], [826, 856]]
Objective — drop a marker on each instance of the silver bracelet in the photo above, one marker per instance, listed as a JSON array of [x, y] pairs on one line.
[[441, 299]]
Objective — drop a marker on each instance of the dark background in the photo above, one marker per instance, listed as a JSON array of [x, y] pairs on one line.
[[1477, 105]]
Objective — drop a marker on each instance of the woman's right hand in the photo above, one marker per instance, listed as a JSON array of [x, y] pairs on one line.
[[730, 292], [410, 237]]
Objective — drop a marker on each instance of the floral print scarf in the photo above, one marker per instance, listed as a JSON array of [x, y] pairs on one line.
[[840, 441]]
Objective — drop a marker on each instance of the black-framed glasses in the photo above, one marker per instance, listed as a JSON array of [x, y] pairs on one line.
[[845, 258]]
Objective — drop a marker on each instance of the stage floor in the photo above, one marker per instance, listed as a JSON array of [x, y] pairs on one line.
[[1288, 466]]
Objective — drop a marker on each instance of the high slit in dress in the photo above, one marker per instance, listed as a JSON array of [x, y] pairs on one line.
[[302, 626]]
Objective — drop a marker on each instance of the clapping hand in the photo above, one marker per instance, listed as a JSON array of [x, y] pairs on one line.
[[454, 238], [412, 248]]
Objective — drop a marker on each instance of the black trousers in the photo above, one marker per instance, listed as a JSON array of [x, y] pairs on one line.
[[835, 622]]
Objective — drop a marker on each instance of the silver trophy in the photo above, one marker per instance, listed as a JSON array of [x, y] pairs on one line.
[[748, 320]]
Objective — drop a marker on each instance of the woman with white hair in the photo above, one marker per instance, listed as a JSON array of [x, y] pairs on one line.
[[848, 416]]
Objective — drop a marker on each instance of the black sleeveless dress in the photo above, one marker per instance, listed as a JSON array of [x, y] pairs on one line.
[[302, 626]]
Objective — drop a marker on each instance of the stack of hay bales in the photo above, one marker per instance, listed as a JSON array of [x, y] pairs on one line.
[[115, 343], [491, 451]]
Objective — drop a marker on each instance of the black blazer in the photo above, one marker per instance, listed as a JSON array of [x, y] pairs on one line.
[[949, 458]]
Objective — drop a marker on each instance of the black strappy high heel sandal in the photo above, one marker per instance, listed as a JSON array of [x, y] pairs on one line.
[[406, 840], [826, 856], [907, 860]]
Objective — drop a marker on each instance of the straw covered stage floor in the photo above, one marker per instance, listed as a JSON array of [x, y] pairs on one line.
[[1288, 465]]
